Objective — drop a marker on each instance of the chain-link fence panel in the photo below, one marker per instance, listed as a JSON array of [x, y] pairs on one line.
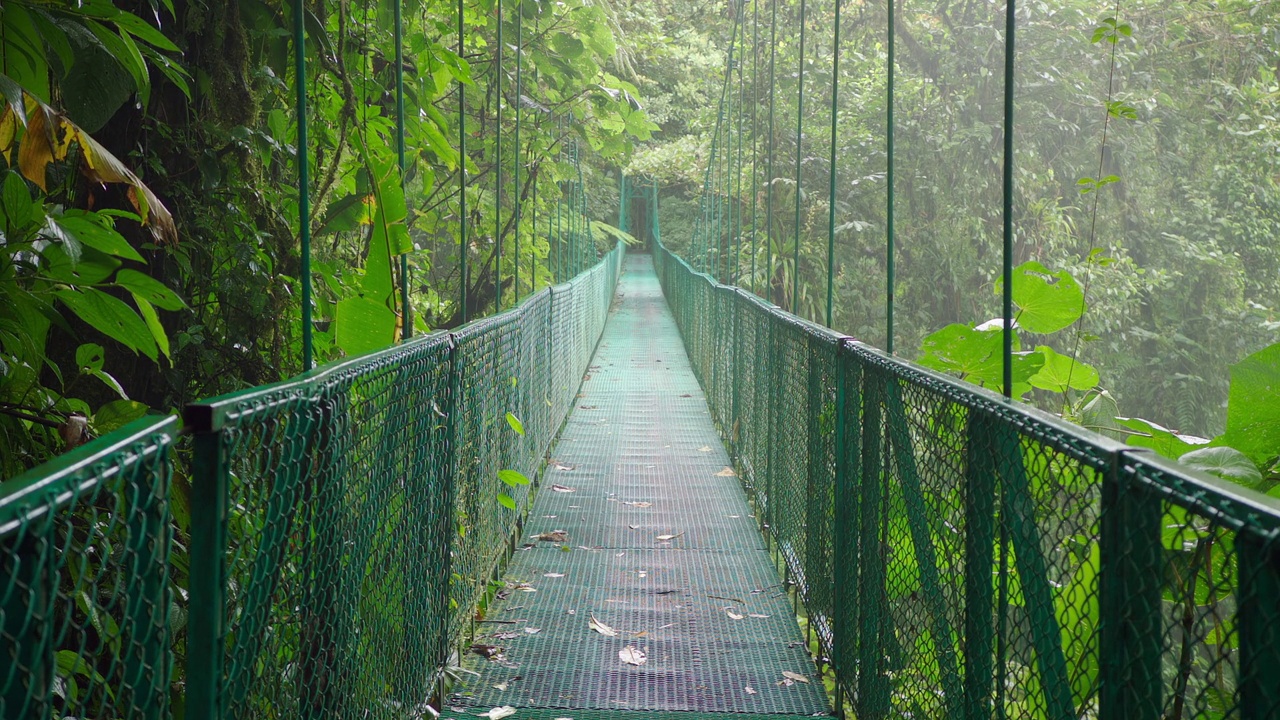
[[86, 588]]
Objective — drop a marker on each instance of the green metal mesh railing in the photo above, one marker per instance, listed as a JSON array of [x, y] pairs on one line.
[[85, 580], [959, 555], [343, 527]]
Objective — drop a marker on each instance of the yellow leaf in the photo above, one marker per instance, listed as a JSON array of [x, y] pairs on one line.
[[36, 151]]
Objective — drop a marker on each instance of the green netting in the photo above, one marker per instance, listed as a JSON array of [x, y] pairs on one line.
[[638, 525], [356, 518], [963, 556], [85, 580]]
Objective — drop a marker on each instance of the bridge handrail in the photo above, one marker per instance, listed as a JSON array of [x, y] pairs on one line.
[[343, 525], [960, 555]]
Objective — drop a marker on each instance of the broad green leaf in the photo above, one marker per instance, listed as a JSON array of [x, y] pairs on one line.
[[1047, 301], [1060, 372], [98, 236], [514, 478], [1099, 415], [515, 423], [139, 28], [1161, 439], [567, 45], [364, 325], [154, 291], [1225, 462], [152, 320], [111, 317], [505, 501], [16, 198], [93, 267], [116, 414], [977, 355], [1253, 405], [89, 357], [125, 52]]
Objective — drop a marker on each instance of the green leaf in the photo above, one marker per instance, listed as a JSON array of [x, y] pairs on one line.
[[567, 45], [1060, 372], [111, 317], [1253, 405], [98, 236], [139, 28], [505, 501], [1047, 301], [1161, 439], [150, 289], [514, 478], [93, 267], [152, 320], [1225, 462], [16, 200], [126, 53], [977, 355], [364, 325], [116, 414], [515, 424], [89, 357]]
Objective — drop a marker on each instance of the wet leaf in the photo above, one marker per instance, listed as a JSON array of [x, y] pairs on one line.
[[499, 712], [795, 676], [563, 488], [733, 615], [670, 537], [632, 656], [602, 628], [553, 536], [727, 472]]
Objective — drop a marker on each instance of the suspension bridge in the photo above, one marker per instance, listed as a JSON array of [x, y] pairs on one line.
[[642, 492]]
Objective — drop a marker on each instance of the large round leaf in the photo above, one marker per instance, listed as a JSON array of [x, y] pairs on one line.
[[1047, 301], [1060, 372], [1225, 462], [1253, 406]]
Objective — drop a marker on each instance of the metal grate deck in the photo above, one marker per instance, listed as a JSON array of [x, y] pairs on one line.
[[642, 460]]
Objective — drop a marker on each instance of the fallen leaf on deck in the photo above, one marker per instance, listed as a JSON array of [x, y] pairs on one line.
[[602, 628], [669, 537], [757, 615], [750, 690], [795, 676], [664, 627], [553, 575], [733, 615], [705, 448], [500, 712], [500, 686], [562, 488], [533, 631], [553, 536], [566, 468], [526, 587], [489, 652], [632, 656], [642, 633], [727, 472], [638, 503]]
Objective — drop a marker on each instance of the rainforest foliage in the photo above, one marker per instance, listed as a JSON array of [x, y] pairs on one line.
[[1146, 199], [149, 253]]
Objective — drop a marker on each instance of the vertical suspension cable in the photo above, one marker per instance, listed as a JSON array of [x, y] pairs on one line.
[[795, 263], [406, 310], [755, 137], [519, 158], [497, 169], [462, 178], [890, 175], [1007, 255], [768, 194], [737, 175], [304, 179], [831, 199]]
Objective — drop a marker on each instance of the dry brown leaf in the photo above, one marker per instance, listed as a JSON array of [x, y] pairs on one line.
[[750, 690], [795, 676], [638, 503], [489, 652], [500, 712], [602, 628], [563, 488], [642, 633], [525, 587], [729, 611], [566, 468], [670, 537], [553, 536], [632, 656], [727, 472]]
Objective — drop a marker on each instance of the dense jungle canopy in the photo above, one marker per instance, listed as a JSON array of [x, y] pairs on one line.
[[150, 249]]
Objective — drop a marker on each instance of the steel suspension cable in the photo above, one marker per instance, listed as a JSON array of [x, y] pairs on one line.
[[890, 179], [406, 309], [304, 179], [755, 138], [497, 163], [519, 157], [768, 201], [737, 175], [795, 263], [462, 176], [831, 199], [1007, 192]]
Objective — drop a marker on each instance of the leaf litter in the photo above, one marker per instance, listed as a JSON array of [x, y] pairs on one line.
[[632, 656], [602, 628]]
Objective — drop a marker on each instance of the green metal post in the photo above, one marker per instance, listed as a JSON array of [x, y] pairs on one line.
[[737, 174], [406, 309], [147, 667], [795, 262], [979, 539], [1258, 557], [755, 134], [873, 688], [304, 176], [206, 648], [520, 162], [831, 199], [890, 175], [847, 600], [1010, 26], [1130, 582]]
